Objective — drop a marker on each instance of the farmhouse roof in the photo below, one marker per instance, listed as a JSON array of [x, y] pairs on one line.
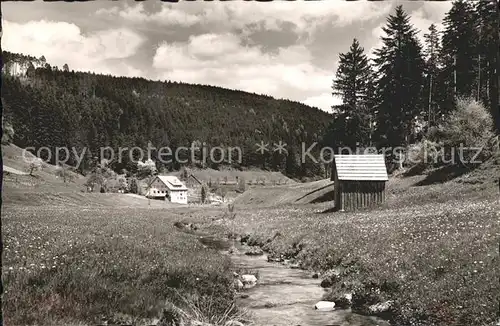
[[367, 167], [172, 182], [195, 178]]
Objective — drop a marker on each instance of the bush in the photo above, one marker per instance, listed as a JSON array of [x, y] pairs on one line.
[[122, 182], [184, 174], [146, 169], [64, 173], [7, 132], [222, 192], [229, 214], [423, 155], [36, 164], [470, 126], [242, 184], [102, 177]]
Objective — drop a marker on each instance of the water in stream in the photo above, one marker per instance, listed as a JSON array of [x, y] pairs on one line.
[[286, 297]]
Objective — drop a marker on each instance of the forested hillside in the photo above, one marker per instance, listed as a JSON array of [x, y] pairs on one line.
[[49, 106]]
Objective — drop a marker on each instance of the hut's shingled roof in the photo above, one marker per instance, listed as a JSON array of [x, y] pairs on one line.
[[368, 167]]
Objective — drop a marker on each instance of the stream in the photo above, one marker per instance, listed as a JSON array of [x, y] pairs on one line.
[[284, 296]]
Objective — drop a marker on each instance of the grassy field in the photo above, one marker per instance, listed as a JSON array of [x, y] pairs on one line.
[[432, 249], [79, 258], [76, 258], [82, 265]]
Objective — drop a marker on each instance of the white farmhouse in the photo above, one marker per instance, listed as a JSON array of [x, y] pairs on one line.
[[168, 188]]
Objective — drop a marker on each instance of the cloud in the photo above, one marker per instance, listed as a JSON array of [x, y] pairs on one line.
[[168, 15], [223, 60], [305, 16], [61, 42], [324, 101], [430, 13], [213, 45], [435, 11]]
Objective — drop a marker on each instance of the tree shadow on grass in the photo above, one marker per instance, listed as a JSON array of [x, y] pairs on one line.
[[329, 196], [415, 170], [315, 190], [444, 174]]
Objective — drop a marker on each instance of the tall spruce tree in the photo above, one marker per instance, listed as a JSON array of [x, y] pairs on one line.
[[496, 102], [487, 55], [400, 66], [353, 83], [459, 51], [432, 65]]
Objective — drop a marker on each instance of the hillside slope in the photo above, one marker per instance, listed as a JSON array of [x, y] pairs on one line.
[[19, 160], [50, 107], [298, 193], [45, 187], [432, 185]]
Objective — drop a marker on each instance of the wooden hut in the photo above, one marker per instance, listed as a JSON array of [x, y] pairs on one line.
[[359, 181]]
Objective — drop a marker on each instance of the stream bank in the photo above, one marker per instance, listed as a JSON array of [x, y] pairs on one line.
[[283, 296]]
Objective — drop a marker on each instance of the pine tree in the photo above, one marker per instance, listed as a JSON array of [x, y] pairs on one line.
[[352, 83], [496, 99], [400, 69], [432, 64], [203, 194], [459, 51], [134, 188], [291, 162], [488, 53]]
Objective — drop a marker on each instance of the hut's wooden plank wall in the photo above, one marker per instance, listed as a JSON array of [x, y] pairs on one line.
[[360, 194]]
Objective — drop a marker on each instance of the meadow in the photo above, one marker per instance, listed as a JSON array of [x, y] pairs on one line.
[[432, 250], [72, 258], [86, 265]]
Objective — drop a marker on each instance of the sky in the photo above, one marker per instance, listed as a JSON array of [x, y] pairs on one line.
[[283, 49]]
